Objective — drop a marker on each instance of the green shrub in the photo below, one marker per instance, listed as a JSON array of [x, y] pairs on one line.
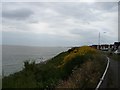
[[59, 68]]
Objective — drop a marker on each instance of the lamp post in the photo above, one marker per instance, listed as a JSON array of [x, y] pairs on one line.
[[99, 40]]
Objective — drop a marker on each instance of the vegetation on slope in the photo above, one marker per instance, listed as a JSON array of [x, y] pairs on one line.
[[0, 81], [115, 57], [79, 67]]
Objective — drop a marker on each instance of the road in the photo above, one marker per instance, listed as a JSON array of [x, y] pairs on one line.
[[112, 78]]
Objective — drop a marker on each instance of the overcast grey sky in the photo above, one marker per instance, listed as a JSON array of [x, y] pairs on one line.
[[59, 23]]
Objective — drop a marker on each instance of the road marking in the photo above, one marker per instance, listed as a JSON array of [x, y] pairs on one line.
[[101, 80]]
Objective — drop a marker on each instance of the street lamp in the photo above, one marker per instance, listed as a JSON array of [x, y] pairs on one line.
[[99, 39]]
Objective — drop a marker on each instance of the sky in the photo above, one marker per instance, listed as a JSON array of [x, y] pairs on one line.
[[59, 23]]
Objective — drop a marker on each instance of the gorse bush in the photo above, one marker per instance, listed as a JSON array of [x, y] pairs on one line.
[[79, 52], [91, 66], [49, 74], [75, 58]]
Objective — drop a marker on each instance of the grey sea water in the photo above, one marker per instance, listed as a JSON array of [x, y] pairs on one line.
[[13, 57]]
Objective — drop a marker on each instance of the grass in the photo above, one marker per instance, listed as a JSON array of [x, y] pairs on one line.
[[41, 75], [115, 57], [60, 71], [87, 75], [0, 81]]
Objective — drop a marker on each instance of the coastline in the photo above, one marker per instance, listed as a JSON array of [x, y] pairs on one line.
[[14, 56], [60, 67]]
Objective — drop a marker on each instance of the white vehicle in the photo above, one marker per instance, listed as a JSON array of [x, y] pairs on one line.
[[117, 52]]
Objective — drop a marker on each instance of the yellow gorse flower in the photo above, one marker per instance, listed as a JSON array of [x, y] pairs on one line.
[[78, 52]]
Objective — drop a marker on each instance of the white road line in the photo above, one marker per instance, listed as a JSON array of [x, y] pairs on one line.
[[101, 80]]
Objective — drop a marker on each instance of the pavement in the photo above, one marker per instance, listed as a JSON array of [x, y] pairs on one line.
[[112, 77]]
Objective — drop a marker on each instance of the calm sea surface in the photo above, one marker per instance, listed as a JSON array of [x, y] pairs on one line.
[[14, 56]]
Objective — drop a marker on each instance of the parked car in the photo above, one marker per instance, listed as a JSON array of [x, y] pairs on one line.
[[117, 52]]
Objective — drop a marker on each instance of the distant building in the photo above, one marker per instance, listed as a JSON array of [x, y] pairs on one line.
[[119, 49], [111, 46], [107, 47], [116, 45], [104, 47], [94, 46]]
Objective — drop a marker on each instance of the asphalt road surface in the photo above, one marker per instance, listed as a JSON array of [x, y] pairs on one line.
[[112, 78]]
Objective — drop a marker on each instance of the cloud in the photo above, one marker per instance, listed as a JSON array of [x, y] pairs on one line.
[[75, 23], [61, 1], [17, 14]]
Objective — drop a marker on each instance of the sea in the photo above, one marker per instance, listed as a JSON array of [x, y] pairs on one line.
[[13, 57]]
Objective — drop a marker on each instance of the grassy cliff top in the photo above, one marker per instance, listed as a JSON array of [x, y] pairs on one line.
[[59, 72]]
